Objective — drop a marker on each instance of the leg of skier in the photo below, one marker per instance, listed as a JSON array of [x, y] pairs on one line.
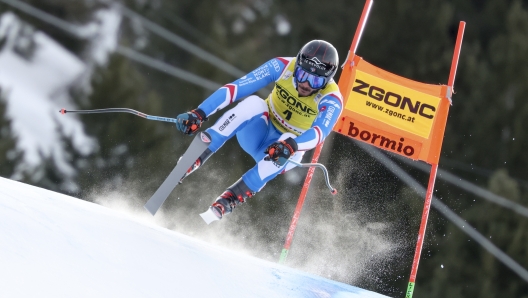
[[250, 110], [253, 180]]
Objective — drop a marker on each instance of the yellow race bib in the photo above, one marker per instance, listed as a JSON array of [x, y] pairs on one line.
[[289, 111]]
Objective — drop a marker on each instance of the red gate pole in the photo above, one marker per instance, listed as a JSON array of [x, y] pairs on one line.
[[317, 152], [432, 174]]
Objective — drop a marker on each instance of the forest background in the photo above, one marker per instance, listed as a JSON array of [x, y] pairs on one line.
[[366, 235]]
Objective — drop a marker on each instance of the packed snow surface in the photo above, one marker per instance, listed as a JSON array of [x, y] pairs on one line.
[[53, 245]]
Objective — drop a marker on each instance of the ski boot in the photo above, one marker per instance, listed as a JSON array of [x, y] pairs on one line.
[[235, 195], [207, 153]]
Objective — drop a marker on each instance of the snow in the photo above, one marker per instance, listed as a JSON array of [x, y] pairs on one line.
[[105, 42], [53, 245], [36, 90]]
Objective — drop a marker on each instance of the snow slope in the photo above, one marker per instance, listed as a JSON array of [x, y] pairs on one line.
[[53, 245]]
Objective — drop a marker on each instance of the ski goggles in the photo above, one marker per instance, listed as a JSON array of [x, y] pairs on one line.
[[316, 82]]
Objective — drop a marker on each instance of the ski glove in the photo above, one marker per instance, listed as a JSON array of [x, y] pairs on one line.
[[280, 151], [190, 122]]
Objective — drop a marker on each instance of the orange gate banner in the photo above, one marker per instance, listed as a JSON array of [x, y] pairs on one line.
[[392, 112]]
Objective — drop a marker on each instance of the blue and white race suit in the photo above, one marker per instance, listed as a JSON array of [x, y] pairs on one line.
[[258, 123]]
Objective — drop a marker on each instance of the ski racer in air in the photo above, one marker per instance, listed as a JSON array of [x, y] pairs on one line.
[[298, 114]]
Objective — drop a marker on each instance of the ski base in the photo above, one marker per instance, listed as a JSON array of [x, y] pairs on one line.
[[209, 216], [198, 146]]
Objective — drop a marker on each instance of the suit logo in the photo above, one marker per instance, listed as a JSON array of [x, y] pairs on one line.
[[205, 138]]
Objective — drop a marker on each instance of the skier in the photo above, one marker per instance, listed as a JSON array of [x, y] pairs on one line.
[[299, 113]]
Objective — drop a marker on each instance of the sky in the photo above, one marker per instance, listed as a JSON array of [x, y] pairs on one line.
[[53, 245]]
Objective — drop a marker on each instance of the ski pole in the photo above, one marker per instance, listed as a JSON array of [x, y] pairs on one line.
[[173, 120], [120, 110], [320, 166]]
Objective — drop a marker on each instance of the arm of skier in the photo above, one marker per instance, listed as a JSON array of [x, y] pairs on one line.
[[190, 122], [330, 108], [257, 79]]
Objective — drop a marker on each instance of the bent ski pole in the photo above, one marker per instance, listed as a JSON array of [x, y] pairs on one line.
[[120, 110], [322, 167]]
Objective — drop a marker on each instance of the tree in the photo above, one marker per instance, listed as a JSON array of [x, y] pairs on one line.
[[462, 268], [10, 155], [130, 150]]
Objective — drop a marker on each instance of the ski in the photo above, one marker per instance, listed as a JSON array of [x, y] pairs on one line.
[[198, 146], [209, 216]]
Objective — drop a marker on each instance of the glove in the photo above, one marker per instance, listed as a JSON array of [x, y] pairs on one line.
[[280, 151], [190, 122]]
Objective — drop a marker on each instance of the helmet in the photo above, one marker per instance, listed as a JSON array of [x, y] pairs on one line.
[[317, 63]]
